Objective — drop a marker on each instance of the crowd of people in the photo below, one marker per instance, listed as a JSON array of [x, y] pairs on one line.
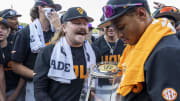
[[49, 59]]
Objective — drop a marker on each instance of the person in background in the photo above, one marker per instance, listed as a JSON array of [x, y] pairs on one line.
[[3, 27], [151, 53], [32, 39], [169, 12], [2, 78], [14, 84], [12, 17], [108, 47], [89, 36], [62, 66]]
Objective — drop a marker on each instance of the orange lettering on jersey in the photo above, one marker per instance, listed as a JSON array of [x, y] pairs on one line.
[[106, 58], [102, 58], [113, 57], [82, 75], [79, 71], [138, 88], [119, 56], [76, 69]]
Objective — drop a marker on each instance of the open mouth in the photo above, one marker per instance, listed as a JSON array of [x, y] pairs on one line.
[[81, 33], [1, 35]]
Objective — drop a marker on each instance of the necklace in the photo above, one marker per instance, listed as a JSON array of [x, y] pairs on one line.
[[111, 48]]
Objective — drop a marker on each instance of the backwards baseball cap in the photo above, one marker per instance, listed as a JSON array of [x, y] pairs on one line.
[[9, 13], [169, 12], [57, 7], [116, 8], [4, 22], [74, 13]]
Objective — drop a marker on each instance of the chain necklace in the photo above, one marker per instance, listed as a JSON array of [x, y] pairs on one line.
[[111, 48]]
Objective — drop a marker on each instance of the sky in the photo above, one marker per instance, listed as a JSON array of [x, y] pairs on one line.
[[92, 7]]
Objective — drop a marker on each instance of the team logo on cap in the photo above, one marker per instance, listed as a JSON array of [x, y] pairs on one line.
[[169, 94], [80, 10], [1, 18]]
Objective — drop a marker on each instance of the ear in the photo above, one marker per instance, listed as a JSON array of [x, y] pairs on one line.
[[141, 13], [40, 9], [64, 27]]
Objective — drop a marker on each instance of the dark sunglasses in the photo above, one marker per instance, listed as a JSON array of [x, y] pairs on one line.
[[10, 13], [109, 10]]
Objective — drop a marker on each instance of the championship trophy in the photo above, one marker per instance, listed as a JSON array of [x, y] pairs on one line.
[[102, 83]]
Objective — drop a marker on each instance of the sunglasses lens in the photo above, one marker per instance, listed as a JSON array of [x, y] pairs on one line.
[[12, 13], [108, 11]]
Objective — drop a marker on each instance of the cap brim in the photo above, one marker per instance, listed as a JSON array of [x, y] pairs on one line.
[[18, 15], [4, 24], [176, 16], [107, 21], [57, 7], [104, 24], [89, 19]]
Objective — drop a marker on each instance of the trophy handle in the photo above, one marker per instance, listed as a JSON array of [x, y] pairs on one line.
[[89, 88]]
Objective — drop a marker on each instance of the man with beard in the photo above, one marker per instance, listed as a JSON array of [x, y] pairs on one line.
[[12, 17], [62, 66], [150, 61], [31, 39]]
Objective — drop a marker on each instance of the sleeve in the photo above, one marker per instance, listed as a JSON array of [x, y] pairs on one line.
[[41, 80], [162, 75], [21, 46]]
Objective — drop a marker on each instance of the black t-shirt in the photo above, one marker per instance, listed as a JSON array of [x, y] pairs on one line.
[[102, 50], [22, 52], [12, 78], [47, 89]]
